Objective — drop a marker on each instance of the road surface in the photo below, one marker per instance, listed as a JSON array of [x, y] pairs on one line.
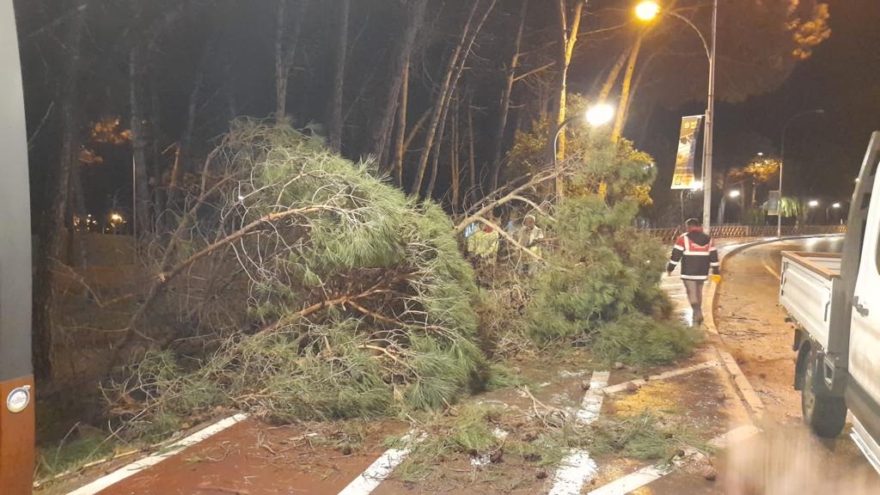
[[754, 331]]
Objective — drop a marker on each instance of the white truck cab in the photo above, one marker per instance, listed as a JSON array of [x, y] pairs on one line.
[[834, 299]]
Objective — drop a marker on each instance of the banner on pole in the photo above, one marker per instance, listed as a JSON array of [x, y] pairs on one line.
[[773, 205], [683, 177]]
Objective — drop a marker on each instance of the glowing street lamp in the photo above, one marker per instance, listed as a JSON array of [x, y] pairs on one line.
[[647, 11], [734, 194], [813, 203], [596, 116], [599, 115], [836, 205]]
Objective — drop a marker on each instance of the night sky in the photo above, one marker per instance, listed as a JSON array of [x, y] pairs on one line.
[[823, 152]]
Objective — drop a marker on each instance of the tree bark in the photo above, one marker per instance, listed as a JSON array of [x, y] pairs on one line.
[[567, 38], [623, 108], [334, 123], [454, 149], [385, 102], [139, 143], [51, 242], [612, 76], [472, 165], [400, 143], [437, 150], [285, 54], [505, 100]]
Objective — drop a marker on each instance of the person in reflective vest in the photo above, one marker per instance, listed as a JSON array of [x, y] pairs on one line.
[[696, 253]]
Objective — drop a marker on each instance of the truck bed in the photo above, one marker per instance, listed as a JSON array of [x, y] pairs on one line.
[[805, 291]]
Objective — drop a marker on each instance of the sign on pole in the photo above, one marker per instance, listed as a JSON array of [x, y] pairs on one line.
[[683, 177]]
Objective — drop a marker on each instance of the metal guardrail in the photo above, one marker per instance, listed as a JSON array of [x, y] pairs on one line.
[[728, 231]]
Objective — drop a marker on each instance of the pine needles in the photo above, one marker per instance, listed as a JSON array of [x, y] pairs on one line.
[[358, 301]]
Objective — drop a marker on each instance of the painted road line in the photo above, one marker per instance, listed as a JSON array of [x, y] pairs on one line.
[[592, 401], [173, 449], [379, 470], [620, 387], [632, 482], [578, 467], [650, 474], [772, 271]]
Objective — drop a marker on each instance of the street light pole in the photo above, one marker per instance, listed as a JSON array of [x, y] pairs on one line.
[[782, 166], [710, 127], [647, 11]]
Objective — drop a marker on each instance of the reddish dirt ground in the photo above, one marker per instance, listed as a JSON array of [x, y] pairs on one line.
[[255, 458]]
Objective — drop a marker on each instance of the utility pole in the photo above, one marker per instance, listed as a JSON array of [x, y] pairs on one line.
[[16, 371]]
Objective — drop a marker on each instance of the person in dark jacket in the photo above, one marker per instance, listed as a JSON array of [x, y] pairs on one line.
[[696, 253]]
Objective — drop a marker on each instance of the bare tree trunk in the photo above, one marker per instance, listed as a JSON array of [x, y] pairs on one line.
[[285, 54], [400, 143], [334, 124], [567, 38], [437, 151], [51, 243], [472, 165], [612, 76], [505, 100], [385, 102], [454, 69], [623, 109], [454, 157], [139, 139]]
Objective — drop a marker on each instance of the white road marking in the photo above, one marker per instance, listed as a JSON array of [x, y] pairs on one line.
[[173, 449], [772, 271], [578, 467], [374, 475], [650, 474], [575, 470], [620, 387], [632, 481]]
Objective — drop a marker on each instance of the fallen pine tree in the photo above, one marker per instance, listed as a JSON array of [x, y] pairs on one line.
[[357, 299]]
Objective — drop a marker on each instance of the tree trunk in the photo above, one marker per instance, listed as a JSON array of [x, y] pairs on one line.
[[136, 71], [453, 158], [623, 108], [454, 69], [505, 100], [51, 238], [612, 76], [400, 143], [285, 54], [472, 166], [567, 37], [334, 123], [437, 150], [184, 147], [385, 101]]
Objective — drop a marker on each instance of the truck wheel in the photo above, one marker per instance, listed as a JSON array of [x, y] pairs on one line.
[[825, 414]]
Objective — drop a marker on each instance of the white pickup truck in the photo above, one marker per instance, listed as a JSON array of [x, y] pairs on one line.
[[834, 299]]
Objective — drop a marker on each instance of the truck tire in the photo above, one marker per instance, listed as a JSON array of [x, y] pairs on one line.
[[824, 413]]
